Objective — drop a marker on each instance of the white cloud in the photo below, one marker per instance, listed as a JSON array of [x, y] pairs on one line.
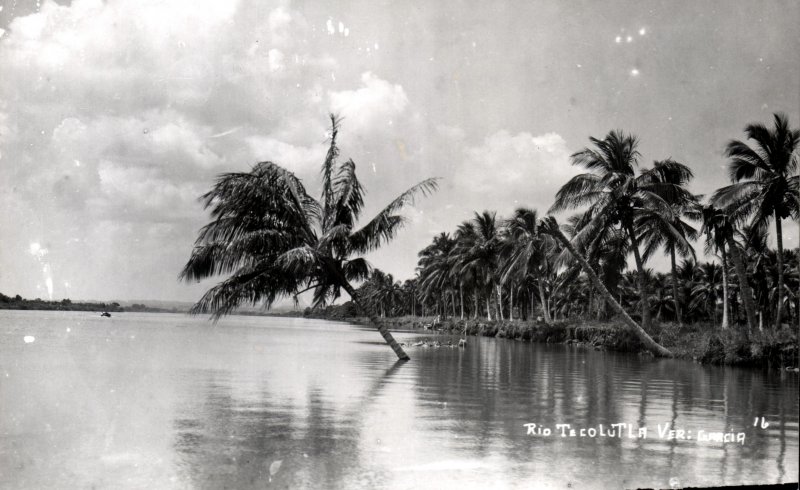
[[116, 127], [512, 170], [373, 105]]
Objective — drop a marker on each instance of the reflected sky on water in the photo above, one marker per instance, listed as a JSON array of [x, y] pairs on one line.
[[170, 401]]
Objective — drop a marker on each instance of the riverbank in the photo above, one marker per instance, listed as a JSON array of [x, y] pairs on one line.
[[698, 342]]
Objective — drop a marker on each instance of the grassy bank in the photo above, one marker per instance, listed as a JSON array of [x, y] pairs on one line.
[[699, 342]]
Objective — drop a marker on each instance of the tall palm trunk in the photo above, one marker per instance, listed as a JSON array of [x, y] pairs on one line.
[[545, 307], [779, 291], [532, 306], [511, 303], [744, 284], [387, 336], [675, 286], [499, 302], [461, 298], [488, 307], [725, 294], [643, 336], [642, 278]]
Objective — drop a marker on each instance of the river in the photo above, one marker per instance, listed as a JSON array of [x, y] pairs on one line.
[[171, 401]]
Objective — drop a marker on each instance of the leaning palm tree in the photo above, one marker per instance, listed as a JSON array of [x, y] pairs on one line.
[[549, 225], [274, 240], [617, 195], [766, 185]]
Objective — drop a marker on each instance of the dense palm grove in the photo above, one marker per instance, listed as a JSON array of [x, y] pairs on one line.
[[507, 268], [272, 239]]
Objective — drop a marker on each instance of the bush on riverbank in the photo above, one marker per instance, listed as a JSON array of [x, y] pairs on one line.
[[701, 342]]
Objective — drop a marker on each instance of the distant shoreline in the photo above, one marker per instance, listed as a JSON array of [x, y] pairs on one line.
[[19, 303]]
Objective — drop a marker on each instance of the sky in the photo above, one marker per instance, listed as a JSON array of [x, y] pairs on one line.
[[116, 116]]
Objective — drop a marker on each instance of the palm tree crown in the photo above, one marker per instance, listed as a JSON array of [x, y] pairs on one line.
[[616, 195], [274, 240], [765, 183]]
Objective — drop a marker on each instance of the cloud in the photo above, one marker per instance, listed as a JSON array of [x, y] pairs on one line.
[[507, 169], [116, 116], [372, 106]]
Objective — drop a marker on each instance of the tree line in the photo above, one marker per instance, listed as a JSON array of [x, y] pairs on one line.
[[271, 239], [505, 268]]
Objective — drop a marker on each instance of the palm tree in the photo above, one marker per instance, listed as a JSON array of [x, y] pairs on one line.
[[687, 273], [766, 185], [435, 267], [382, 292], [526, 252], [671, 231], [477, 246], [705, 290], [616, 195], [607, 253], [275, 240], [550, 227], [719, 229]]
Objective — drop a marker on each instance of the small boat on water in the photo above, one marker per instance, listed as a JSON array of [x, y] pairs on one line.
[[106, 314]]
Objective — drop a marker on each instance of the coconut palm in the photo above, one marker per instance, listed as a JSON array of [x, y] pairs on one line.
[[526, 252], [616, 194], [549, 225], [706, 290], [435, 267], [719, 229], [477, 248], [671, 232], [606, 252], [766, 185], [274, 240], [688, 271]]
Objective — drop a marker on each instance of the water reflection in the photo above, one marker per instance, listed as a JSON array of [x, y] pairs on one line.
[[166, 401], [231, 442], [464, 414]]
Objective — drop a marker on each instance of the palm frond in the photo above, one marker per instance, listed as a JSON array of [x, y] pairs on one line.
[[385, 224], [578, 191], [327, 171], [746, 163], [357, 269], [349, 195]]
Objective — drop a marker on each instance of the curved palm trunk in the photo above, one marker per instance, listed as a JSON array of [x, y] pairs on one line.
[[744, 284], [387, 336], [642, 277], [675, 286], [645, 338], [779, 237], [725, 294]]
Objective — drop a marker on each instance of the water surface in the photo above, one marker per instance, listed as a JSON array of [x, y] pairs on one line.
[[170, 401]]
